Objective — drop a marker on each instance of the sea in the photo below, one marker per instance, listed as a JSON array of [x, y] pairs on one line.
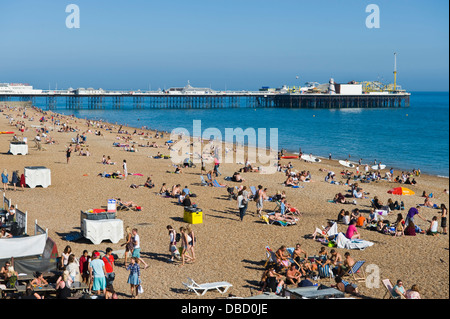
[[410, 138]]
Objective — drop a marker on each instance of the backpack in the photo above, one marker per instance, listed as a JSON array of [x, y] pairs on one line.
[[178, 237], [12, 282]]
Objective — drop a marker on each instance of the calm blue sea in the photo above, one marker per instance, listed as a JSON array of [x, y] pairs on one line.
[[406, 138]]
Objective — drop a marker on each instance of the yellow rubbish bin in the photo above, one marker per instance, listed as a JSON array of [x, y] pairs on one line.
[[193, 215]]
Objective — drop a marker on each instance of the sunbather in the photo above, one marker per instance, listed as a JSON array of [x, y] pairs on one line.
[[129, 204]]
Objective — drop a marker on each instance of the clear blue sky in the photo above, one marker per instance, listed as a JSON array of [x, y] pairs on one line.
[[229, 44]]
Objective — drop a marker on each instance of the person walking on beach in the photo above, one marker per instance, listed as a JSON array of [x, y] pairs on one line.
[[191, 243], [134, 277], [259, 199], [174, 253], [242, 204], [68, 153], [185, 239], [137, 247], [443, 213], [108, 259], [125, 170], [128, 243]]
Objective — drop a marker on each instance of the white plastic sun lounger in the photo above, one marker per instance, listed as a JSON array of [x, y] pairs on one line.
[[221, 286]]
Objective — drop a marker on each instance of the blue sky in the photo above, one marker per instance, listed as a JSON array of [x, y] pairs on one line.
[[229, 44]]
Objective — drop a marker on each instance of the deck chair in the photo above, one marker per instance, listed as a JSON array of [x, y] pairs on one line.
[[122, 207], [200, 290], [203, 182], [253, 190], [325, 272], [356, 272], [291, 256], [216, 184], [271, 257], [389, 289]]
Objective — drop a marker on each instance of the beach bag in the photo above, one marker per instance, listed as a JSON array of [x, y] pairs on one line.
[[140, 289]]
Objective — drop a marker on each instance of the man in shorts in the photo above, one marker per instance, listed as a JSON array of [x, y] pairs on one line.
[[97, 271]]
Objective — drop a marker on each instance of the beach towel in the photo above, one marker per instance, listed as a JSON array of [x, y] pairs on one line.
[[344, 242]]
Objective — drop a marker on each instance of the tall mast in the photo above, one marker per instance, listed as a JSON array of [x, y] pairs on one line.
[[395, 71]]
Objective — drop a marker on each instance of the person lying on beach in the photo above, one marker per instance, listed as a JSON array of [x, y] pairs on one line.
[[237, 178], [428, 203], [129, 204], [280, 217]]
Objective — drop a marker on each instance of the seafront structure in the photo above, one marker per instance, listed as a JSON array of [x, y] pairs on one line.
[[313, 95]]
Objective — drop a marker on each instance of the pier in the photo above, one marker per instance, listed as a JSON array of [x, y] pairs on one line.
[[212, 101]]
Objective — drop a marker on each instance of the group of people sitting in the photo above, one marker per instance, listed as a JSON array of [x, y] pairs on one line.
[[295, 267], [293, 179]]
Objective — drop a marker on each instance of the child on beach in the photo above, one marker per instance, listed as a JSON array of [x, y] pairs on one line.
[[433, 227], [134, 276]]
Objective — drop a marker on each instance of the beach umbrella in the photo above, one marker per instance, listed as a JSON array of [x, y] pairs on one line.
[[401, 191]]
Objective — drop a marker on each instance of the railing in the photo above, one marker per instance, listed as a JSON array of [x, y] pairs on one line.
[[21, 217]]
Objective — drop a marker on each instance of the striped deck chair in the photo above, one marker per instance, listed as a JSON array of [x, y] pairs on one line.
[[291, 256], [356, 272], [216, 184], [271, 257], [325, 271]]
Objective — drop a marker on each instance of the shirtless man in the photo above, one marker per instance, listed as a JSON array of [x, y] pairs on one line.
[[298, 252], [293, 276], [335, 258], [348, 263]]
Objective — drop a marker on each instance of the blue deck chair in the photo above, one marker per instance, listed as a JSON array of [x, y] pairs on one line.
[[216, 184]]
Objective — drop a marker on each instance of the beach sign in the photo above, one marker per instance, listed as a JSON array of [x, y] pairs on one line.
[[112, 205]]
